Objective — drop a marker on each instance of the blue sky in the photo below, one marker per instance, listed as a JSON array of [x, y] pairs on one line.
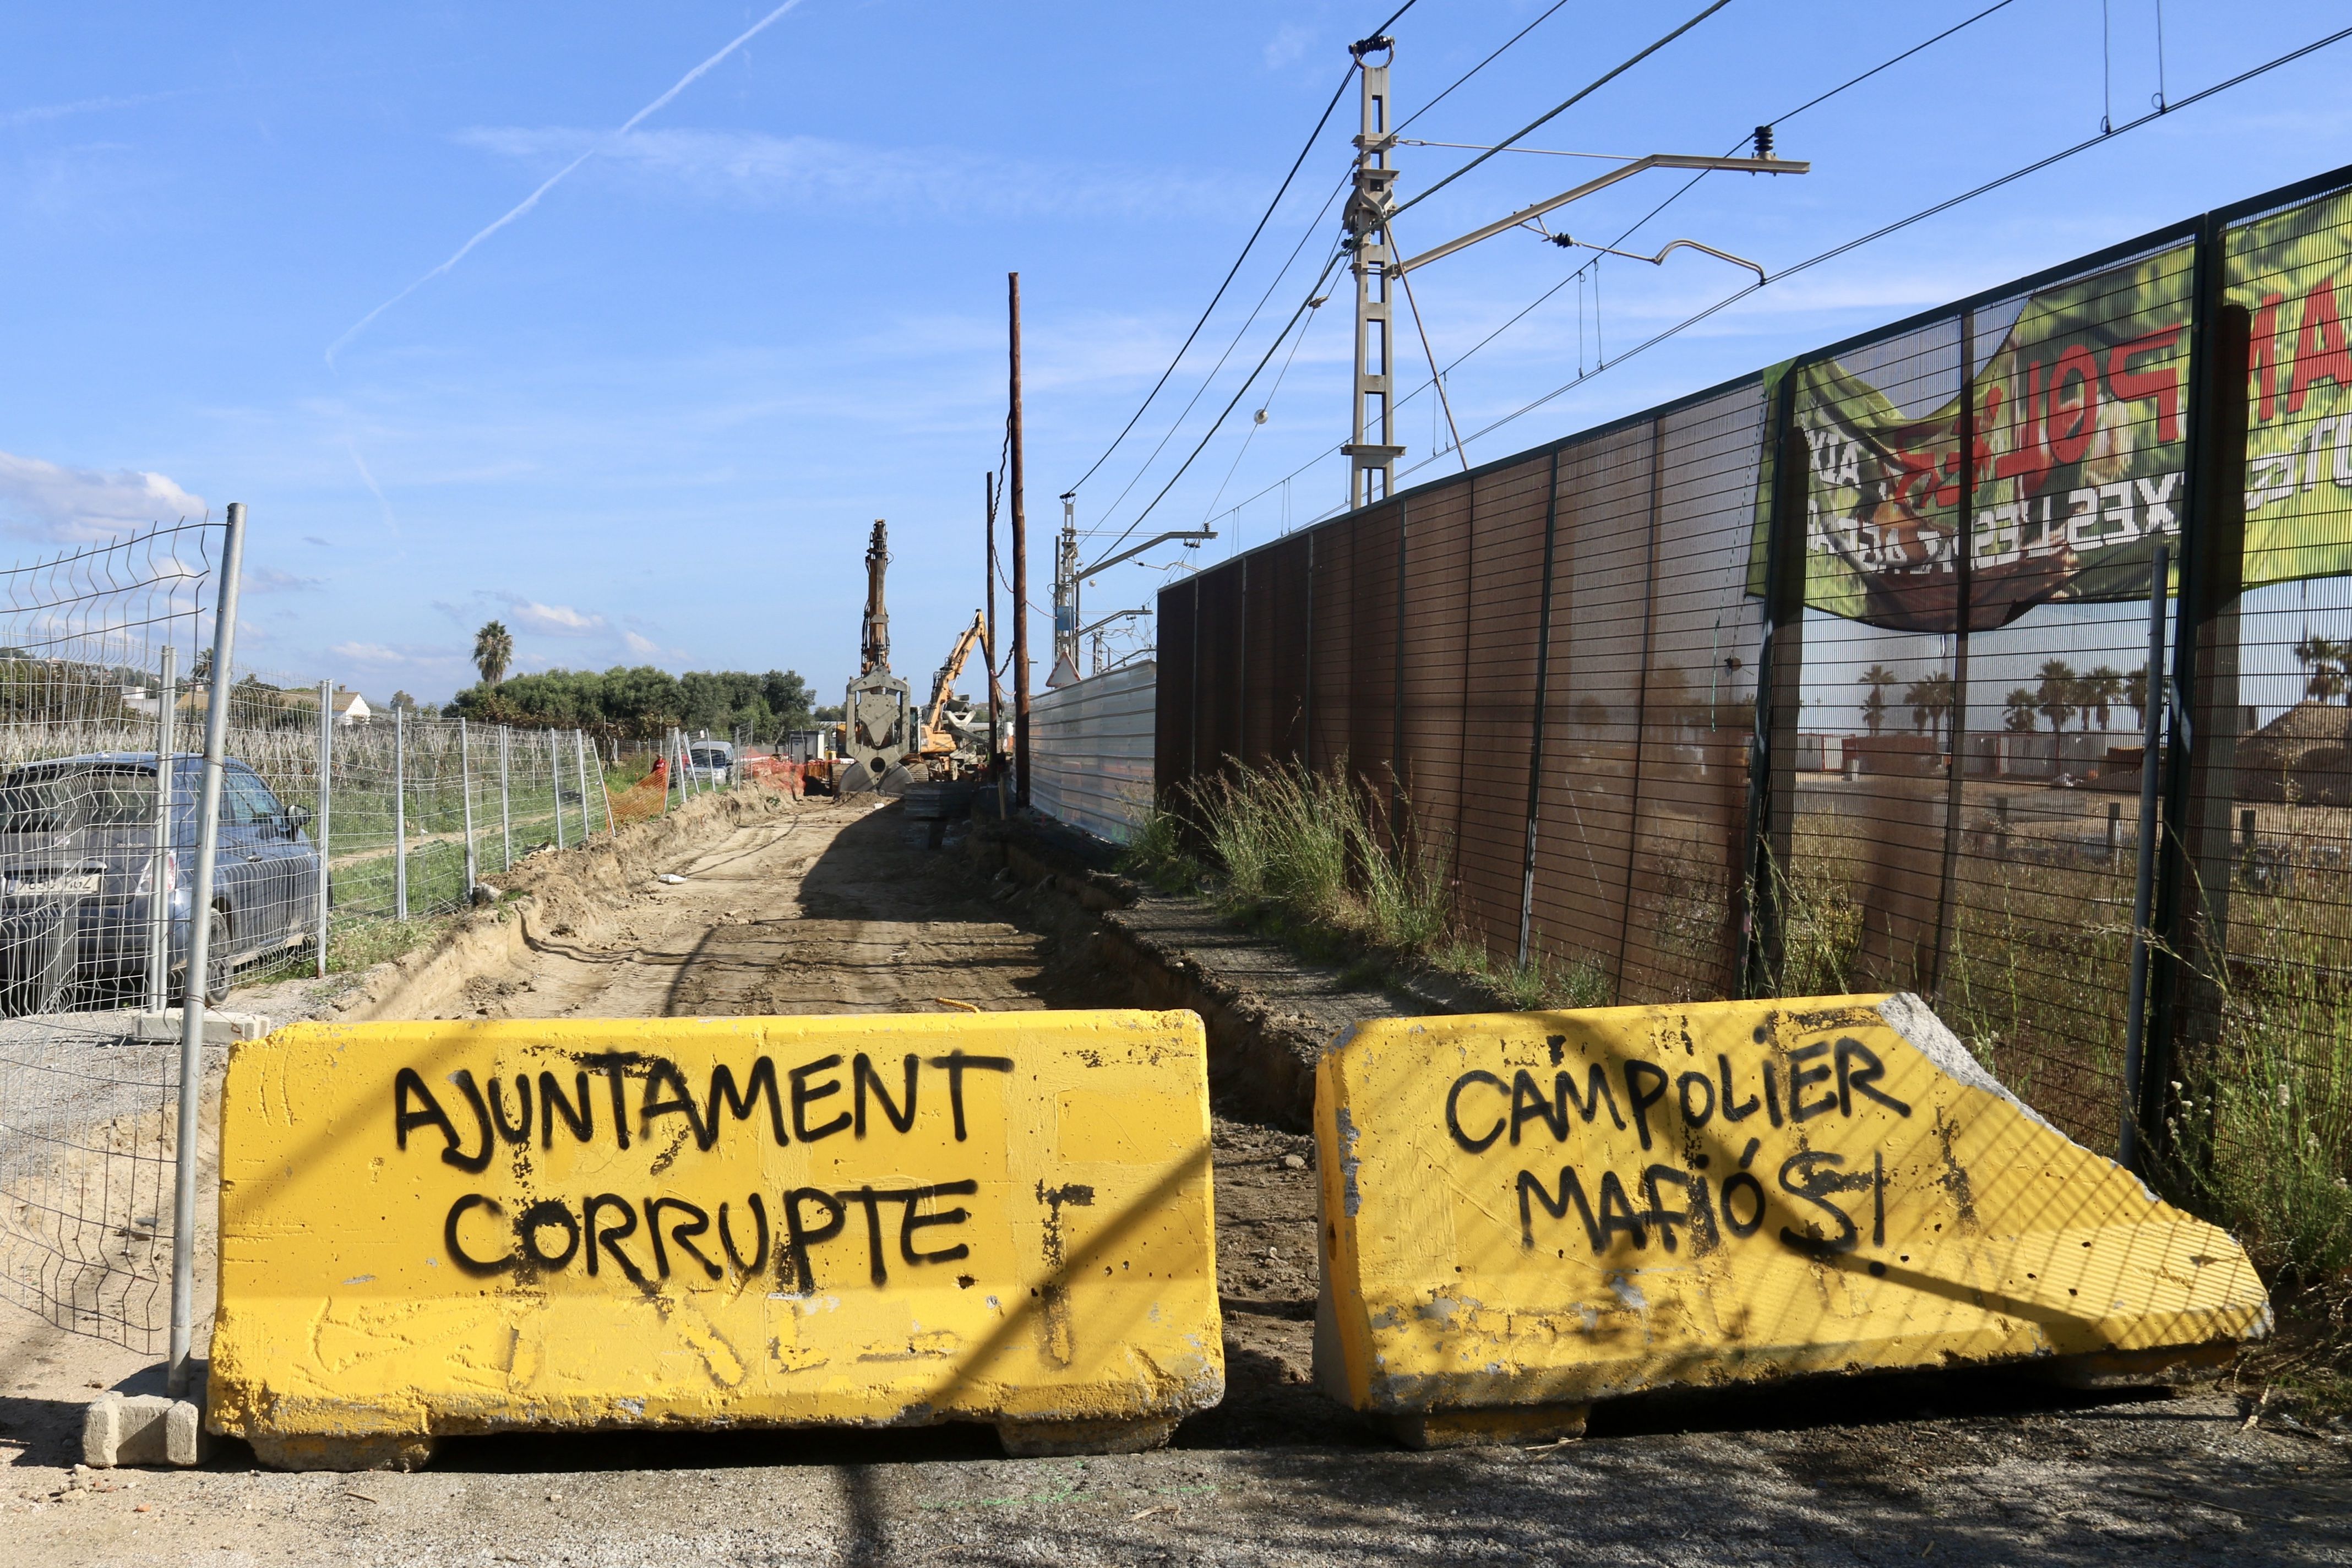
[[651, 418]]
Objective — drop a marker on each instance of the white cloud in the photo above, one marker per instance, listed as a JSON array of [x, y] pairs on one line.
[[48, 501], [643, 647], [561, 620], [1289, 43], [368, 653], [814, 171]]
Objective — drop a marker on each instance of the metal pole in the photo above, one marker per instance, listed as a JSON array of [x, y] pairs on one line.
[[1020, 566], [399, 812], [506, 798], [191, 1004], [555, 777], [604, 790], [466, 789], [1372, 450], [158, 897], [580, 766], [324, 826], [2144, 891]]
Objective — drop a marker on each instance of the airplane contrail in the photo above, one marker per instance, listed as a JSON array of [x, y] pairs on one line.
[[531, 200]]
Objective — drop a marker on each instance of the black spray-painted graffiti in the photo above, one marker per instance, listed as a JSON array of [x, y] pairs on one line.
[[1825, 1077], [549, 1234]]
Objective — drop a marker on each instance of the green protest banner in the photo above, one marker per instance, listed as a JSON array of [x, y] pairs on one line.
[[2080, 453], [2290, 271]]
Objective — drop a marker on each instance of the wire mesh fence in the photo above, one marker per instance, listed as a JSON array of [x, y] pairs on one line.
[[335, 823], [1838, 677], [89, 921]]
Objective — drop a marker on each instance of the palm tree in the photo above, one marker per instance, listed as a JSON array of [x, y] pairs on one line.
[[1878, 678], [2136, 697], [2097, 693], [1930, 702], [2021, 718], [2330, 663], [2057, 694], [493, 651]]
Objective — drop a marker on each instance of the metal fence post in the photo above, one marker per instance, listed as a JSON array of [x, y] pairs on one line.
[[506, 808], [192, 1005], [324, 828], [399, 812], [2193, 872], [580, 758], [158, 897], [465, 790], [2143, 888], [555, 780], [1536, 723], [1772, 747]]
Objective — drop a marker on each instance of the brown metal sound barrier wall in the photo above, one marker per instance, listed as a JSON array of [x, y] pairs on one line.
[[1554, 661]]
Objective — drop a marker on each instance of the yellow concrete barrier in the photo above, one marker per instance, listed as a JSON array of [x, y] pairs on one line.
[[1523, 1214], [447, 1228]]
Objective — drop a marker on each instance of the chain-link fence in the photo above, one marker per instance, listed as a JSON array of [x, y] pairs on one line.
[[1839, 677]]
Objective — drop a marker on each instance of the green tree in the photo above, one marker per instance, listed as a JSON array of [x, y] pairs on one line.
[[493, 651], [1878, 678]]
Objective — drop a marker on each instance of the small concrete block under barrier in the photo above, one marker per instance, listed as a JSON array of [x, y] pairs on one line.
[[1527, 1212], [220, 1029], [141, 1429], [436, 1228]]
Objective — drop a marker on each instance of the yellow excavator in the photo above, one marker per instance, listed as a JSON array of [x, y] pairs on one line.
[[947, 744]]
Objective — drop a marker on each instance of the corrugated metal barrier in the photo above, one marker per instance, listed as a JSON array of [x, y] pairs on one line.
[[1090, 748]]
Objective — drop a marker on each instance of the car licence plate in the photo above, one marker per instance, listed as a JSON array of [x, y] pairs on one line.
[[51, 888]]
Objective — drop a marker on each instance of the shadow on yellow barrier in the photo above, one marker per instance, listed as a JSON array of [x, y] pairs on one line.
[[1523, 1214], [454, 1228]]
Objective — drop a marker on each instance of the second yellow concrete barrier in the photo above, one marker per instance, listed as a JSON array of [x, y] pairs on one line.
[[453, 1227], [1525, 1213]]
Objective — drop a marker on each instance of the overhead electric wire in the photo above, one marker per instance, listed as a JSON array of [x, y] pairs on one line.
[[1611, 74], [1482, 65], [1814, 102], [1304, 306], [1210, 380], [1685, 188], [1903, 223], [1263, 218]]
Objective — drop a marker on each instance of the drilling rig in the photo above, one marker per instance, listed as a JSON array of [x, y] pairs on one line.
[[879, 708]]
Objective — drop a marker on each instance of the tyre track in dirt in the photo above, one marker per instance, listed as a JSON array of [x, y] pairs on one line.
[[834, 908]]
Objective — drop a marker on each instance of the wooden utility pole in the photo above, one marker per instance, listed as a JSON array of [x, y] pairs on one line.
[[1020, 568], [988, 649]]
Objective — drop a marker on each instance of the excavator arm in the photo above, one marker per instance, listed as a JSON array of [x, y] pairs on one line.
[[935, 736]]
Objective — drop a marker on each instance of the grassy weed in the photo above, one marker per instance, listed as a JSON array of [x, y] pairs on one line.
[[1326, 863]]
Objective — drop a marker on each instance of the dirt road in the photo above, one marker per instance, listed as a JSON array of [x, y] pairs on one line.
[[835, 909]]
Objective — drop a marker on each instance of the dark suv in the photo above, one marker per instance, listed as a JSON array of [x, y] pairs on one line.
[[78, 876]]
